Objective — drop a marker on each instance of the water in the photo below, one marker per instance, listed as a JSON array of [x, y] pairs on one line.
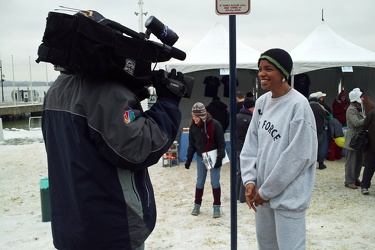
[[22, 122]]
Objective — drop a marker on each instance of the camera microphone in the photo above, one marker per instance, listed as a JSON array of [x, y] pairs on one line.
[[171, 51], [161, 31]]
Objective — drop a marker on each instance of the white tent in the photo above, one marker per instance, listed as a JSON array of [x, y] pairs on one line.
[[212, 52], [206, 59], [323, 48], [322, 54]]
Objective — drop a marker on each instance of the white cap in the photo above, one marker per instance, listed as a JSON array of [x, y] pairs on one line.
[[320, 94], [355, 95], [313, 95]]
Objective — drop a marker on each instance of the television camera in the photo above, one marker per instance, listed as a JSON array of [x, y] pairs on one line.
[[89, 43]]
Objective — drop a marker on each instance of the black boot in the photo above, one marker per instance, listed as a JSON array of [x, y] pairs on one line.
[[322, 166]]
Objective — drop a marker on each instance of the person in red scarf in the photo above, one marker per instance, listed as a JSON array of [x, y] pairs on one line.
[[339, 107], [205, 134]]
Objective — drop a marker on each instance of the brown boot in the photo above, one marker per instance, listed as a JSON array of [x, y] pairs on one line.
[[351, 186]]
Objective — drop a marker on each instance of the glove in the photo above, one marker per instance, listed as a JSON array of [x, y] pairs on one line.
[[187, 164], [170, 86], [218, 163]]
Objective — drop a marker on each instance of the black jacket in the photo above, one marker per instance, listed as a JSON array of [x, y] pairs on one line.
[[99, 144], [219, 111], [319, 115], [198, 140], [243, 122]]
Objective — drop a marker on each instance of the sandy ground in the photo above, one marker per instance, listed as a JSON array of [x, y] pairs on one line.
[[338, 218]]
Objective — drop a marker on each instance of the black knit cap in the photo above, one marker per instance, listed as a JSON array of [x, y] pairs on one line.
[[248, 103], [280, 59]]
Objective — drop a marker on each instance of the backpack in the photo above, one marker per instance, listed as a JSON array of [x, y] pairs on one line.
[[88, 43]]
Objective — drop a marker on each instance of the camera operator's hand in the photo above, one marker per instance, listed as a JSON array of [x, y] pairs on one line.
[[170, 86]]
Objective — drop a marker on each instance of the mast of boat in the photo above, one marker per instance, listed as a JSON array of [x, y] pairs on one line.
[[46, 74], [2, 80], [31, 83], [14, 87]]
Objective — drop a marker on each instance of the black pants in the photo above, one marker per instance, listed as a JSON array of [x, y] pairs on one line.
[[321, 153], [369, 170]]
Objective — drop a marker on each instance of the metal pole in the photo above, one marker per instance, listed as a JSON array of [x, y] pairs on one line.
[[46, 75], [140, 15], [2, 81], [233, 129]]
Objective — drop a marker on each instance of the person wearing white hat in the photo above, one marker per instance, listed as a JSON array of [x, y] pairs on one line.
[[319, 115], [354, 159], [320, 95]]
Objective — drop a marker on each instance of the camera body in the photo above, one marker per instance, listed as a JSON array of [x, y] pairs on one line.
[[88, 43], [182, 88], [179, 84]]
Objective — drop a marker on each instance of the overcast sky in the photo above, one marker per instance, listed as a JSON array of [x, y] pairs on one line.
[[271, 23]]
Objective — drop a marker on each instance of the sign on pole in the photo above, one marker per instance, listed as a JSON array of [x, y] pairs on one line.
[[232, 7]]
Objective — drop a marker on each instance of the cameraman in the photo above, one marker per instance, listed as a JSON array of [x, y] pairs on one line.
[[99, 144]]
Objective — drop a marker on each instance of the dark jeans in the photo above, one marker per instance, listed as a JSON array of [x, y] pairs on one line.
[[321, 155], [369, 170]]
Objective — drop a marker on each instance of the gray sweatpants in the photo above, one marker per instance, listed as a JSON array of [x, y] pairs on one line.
[[280, 229], [353, 165]]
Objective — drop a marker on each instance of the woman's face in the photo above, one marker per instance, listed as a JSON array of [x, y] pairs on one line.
[[196, 119], [269, 76]]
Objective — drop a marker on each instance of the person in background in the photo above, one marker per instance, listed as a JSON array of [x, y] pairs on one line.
[[205, 134], [219, 111], [319, 115], [101, 195], [278, 159], [366, 103], [250, 95], [243, 121], [240, 97], [353, 158], [320, 95], [339, 107], [334, 131], [368, 172]]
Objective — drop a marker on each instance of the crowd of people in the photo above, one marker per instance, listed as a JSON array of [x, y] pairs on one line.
[[268, 174], [354, 114], [97, 179]]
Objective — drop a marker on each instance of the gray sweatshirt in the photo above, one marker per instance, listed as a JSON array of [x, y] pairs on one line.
[[280, 151]]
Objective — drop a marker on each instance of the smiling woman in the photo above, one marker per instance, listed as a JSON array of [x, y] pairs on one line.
[[279, 177], [273, 74]]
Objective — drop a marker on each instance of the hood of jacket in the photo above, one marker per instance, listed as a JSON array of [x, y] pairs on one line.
[[219, 104]]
